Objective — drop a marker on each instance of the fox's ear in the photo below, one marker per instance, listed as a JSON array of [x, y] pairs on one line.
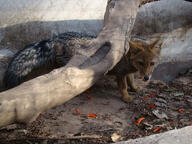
[[138, 45], [135, 48], [152, 46]]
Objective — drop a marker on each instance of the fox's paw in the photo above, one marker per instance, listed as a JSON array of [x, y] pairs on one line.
[[127, 98], [136, 89]]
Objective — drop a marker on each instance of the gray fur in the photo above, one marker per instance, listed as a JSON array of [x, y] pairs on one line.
[[37, 55]]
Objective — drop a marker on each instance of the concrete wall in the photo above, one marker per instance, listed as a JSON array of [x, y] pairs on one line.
[[26, 21]]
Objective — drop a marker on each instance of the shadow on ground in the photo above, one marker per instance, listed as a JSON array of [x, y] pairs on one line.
[[95, 115]]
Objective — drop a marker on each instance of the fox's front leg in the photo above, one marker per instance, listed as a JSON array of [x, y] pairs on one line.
[[131, 82], [122, 84]]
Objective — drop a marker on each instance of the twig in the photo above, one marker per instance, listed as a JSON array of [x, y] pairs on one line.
[[85, 137]]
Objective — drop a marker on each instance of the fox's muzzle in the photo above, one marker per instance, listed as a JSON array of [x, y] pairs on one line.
[[146, 78]]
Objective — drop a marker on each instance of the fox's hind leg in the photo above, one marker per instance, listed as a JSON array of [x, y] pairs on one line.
[[131, 82], [122, 84]]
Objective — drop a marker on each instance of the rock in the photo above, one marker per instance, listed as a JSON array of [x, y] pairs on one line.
[[160, 114], [177, 136], [116, 137]]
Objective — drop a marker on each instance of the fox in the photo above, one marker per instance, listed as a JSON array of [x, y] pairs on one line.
[[142, 58], [42, 57]]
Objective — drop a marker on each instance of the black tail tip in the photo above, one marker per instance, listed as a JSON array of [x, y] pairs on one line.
[[11, 80]]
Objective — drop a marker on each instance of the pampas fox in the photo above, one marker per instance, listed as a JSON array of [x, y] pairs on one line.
[[141, 58], [56, 52]]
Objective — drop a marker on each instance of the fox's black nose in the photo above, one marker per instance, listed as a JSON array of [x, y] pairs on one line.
[[146, 78]]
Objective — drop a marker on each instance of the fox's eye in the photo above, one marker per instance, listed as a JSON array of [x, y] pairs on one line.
[[140, 63], [152, 64]]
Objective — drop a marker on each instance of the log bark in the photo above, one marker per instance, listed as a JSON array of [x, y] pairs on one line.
[[25, 102]]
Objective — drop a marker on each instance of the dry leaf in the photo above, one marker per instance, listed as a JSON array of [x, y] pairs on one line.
[[180, 109], [140, 120], [171, 122], [77, 111], [157, 129], [89, 98], [152, 106], [92, 115], [145, 98], [152, 95]]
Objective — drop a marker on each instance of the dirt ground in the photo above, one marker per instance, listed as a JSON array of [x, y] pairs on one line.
[[100, 116]]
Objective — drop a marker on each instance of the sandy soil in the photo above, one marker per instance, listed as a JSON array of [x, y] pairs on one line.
[[99, 113]]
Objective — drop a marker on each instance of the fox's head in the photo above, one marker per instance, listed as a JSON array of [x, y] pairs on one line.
[[144, 57]]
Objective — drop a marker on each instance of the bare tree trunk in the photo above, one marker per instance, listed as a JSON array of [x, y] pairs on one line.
[[25, 102]]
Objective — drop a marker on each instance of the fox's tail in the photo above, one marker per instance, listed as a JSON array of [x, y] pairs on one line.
[[31, 57], [41, 54]]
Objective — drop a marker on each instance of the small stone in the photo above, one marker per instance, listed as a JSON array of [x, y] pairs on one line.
[[116, 137], [158, 104], [178, 94], [160, 115]]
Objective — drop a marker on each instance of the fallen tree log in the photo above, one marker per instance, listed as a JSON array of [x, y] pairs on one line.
[[25, 102]]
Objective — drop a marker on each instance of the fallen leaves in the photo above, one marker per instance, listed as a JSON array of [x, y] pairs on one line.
[[92, 115], [41, 115], [152, 95], [147, 125], [77, 111], [157, 129], [140, 120], [145, 98], [88, 92], [89, 98], [157, 114], [180, 109], [151, 106]]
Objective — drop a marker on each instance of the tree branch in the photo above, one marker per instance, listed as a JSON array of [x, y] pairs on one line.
[[25, 102]]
